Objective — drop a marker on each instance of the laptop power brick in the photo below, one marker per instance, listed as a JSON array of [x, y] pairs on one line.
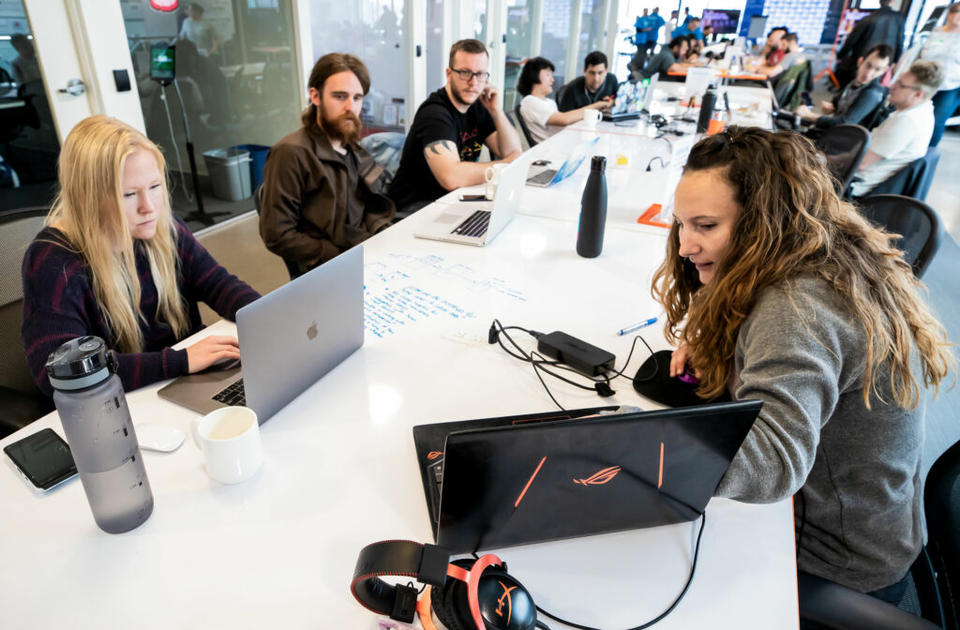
[[580, 355]]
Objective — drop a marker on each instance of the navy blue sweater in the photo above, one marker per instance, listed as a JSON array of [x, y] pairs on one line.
[[59, 304]]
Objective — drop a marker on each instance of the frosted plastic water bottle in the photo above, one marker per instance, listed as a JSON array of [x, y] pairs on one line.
[[96, 420], [593, 210]]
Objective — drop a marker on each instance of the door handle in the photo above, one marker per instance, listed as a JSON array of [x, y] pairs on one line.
[[75, 87]]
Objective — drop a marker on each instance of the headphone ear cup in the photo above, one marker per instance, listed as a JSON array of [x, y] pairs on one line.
[[450, 602], [504, 602]]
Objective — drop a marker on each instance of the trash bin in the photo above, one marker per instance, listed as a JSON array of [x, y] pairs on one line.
[[258, 156], [229, 173]]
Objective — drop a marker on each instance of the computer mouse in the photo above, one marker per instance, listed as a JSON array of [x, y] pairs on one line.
[[689, 376], [159, 437]]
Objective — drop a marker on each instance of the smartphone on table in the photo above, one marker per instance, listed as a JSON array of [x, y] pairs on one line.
[[43, 459]]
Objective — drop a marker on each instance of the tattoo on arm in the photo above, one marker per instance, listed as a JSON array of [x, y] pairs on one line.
[[440, 147]]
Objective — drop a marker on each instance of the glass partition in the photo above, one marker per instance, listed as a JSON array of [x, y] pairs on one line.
[[591, 31], [29, 147], [519, 46], [373, 31], [231, 78], [556, 30]]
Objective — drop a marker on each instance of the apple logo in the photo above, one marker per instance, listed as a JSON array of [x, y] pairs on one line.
[[312, 331]]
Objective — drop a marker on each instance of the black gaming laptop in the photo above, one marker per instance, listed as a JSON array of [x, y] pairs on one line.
[[499, 482]]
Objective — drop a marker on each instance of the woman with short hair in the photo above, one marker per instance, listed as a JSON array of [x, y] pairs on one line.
[[112, 261], [539, 112]]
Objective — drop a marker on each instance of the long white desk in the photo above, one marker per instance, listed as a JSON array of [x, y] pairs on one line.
[[340, 469]]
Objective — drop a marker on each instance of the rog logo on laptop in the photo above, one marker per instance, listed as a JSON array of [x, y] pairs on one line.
[[600, 477]]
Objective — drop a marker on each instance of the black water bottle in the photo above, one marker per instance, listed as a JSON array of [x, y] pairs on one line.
[[593, 210], [706, 109]]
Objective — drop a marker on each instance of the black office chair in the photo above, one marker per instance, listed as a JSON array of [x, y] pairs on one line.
[[558, 96], [917, 224], [291, 267], [936, 572], [914, 179], [20, 401], [844, 147], [523, 126]]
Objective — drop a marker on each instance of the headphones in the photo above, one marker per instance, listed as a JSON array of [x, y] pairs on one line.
[[465, 594]]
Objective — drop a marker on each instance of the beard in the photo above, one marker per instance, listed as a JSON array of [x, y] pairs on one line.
[[459, 97], [345, 128]]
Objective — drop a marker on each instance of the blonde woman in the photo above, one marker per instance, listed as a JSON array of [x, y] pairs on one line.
[[776, 290], [113, 261]]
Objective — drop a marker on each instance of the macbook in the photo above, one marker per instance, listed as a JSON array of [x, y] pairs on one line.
[[526, 479], [289, 339], [549, 177], [633, 99], [478, 223]]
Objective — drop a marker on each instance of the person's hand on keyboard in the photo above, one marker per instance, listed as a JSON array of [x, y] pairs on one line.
[[209, 350]]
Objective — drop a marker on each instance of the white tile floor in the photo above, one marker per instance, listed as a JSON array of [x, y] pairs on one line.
[[944, 196]]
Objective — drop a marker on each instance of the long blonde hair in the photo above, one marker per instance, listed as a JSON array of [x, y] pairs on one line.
[[791, 222], [87, 209]]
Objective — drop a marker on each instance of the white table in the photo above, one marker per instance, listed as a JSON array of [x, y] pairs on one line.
[[340, 469]]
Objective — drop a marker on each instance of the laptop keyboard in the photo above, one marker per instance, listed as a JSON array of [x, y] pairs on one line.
[[474, 225], [232, 395], [543, 177]]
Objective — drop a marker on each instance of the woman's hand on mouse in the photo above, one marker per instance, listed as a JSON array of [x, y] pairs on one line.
[[209, 350], [678, 361]]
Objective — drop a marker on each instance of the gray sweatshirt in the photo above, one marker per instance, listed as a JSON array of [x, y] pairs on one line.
[[801, 352]]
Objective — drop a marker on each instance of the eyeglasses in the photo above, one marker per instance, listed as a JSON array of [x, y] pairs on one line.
[[901, 84], [466, 75]]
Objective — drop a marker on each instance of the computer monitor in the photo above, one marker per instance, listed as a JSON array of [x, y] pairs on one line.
[[758, 27], [162, 62], [723, 21]]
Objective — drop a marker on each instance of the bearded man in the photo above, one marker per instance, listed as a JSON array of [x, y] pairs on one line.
[[449, 131], [323, 193]]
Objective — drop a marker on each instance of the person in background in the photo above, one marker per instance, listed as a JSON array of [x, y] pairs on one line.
[[596, 84], [884, 26], [449, 131], [943, 46], [778, 291], [25, 66], [322, 192], [656, 21], [112, 261], [859, 99], [691, 27], [641, 38], [773, 51], [905, 135], [708, 35], [793, 54], [670, 26], [669, 59], [199, 31], [539, 112]]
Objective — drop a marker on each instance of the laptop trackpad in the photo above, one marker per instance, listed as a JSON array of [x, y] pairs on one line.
[[448, 218]]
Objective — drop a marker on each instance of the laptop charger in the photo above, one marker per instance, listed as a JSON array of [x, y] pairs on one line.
[[580, 355]]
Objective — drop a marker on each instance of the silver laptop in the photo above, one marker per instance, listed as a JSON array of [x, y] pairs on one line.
[[549, 177], [479, 222], [289, 339], [633, 99]]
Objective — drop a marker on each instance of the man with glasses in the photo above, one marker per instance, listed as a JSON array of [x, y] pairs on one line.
[[904, 136], [449, 131], [859, 99]]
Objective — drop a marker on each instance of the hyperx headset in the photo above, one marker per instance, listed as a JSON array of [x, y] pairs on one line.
[[465, 594]]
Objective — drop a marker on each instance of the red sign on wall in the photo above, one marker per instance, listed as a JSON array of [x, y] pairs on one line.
[[165, 5]]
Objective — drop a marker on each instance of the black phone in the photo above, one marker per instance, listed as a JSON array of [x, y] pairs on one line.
[[473, 198], [44, 458]]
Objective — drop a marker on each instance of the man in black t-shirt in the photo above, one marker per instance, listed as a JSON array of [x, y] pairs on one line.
[[449, 130]]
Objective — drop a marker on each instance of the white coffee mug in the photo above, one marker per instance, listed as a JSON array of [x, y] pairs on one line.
[[230, 440], [492, 178], [591, 117]]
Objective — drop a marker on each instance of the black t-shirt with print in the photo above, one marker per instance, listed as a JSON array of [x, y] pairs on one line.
[[437, 119]]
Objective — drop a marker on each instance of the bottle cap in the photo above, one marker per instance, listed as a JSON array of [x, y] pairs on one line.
[[80, 363], [598, 163]]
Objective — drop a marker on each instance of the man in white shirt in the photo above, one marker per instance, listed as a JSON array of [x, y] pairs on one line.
[[904, 136], [199, 31], [540, 113]]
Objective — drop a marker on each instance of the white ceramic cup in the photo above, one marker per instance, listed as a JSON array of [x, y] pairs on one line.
[[230, 440], [492, 178], [591, 117]]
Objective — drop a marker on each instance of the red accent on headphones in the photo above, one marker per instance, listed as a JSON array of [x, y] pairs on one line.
[[472, 578]]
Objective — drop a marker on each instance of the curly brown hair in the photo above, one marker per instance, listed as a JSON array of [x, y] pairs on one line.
[[791, 222]]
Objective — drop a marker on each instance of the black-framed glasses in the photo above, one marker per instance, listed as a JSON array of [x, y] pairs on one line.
[[903, 85], [466, 75]]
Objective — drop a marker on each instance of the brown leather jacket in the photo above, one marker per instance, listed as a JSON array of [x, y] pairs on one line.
[[304, 204]]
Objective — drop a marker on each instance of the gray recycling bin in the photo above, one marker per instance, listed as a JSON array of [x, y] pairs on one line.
[[229, 171]]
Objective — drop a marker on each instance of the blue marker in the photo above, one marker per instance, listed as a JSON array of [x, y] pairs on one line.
[[636, 327]]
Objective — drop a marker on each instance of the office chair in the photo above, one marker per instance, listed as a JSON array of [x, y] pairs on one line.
[[558, 96], [523, 126], [917, 224], [20, 401], [844, 147], [914, 179], [291, 267], [936, 572]]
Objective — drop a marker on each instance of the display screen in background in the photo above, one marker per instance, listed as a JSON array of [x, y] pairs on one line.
[[162, 62], [723, 21]]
